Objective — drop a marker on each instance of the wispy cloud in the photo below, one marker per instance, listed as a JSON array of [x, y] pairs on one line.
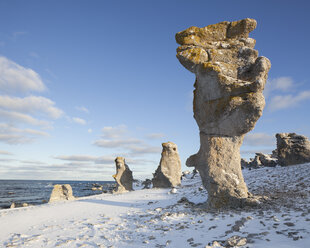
[[155, 136], [259, 139], [82, 109], [36, 105], [17, 111], [17, 34], [15, 78], [118, 137], [5, 152], [288, 101], [88, 158], [113, 143], [276, 93], [79, 120], [16, 117], [15, 136]]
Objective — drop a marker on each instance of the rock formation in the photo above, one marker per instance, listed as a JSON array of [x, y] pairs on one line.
[[61, 192], [228, 100], [266, 159], [168, 173], [292, 149], [147, 183], [123, 176]]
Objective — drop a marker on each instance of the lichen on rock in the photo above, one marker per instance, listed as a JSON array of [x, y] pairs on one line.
[[228, 101]]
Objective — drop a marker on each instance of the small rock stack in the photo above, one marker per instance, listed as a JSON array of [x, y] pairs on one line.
[[61, 193], [168, 173], [123, 176]]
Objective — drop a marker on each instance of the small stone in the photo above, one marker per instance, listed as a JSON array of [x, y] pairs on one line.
[[289, 224]]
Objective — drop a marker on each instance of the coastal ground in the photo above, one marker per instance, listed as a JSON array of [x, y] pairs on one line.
[[158, 218]]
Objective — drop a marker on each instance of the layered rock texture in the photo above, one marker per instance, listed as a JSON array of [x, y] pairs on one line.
[[292, 149], [228, 100], [168, 173], [61, 192], [123, 176]]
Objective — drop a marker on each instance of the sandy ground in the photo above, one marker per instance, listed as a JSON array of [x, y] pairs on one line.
[[157, 218]]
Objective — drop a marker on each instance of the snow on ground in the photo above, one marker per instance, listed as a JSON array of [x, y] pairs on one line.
[[157, 218]]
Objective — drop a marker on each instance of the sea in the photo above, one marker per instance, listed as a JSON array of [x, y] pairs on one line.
[[35, 192]]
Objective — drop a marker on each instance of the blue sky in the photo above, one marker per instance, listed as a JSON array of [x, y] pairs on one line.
[[82, 82]]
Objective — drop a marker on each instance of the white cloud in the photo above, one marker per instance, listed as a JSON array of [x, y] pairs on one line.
[[288, 101], [116, 143], [15, 78], [5, 152], [16, 117], [143, 149], [76, 157], [283, 84], [155, 136], [114, 132], [79, 120], [31, 105], [259, 139], [89, 130], [87, 158], [15, 139], [82, 109], [14, 136], [276, 94]]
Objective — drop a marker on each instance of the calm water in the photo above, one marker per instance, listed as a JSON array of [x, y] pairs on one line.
[[36, 192]]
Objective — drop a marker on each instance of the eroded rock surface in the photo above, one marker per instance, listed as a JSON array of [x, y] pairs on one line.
[[168, 173], [61, 192], [123, 176], [228, 100], [292, 149]]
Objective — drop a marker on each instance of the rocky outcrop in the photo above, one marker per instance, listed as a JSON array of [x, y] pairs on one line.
[[147, 183], [228, 100], [266, 159], [168, 173], [61, 192], [123, 176], [292, 149]]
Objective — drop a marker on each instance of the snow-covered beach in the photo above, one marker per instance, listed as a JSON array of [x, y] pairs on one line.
[[158, 218]]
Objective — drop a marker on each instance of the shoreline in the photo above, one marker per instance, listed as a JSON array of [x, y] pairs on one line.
[[157, 218]]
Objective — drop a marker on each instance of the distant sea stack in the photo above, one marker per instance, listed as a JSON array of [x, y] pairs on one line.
[[61, 193], [168, 173], [123, 176], [228, 101], [292, 149]]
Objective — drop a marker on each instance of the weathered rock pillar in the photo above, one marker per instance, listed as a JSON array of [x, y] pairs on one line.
[[168, 173], [228, 100], [123, 176]]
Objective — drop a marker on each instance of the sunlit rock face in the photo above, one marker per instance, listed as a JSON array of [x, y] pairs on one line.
[[61, 192], [228, 101], [168, 173], [292, 149], [123, 176]]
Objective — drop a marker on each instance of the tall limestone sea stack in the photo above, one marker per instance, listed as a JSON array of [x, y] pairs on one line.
[[228, 100]]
